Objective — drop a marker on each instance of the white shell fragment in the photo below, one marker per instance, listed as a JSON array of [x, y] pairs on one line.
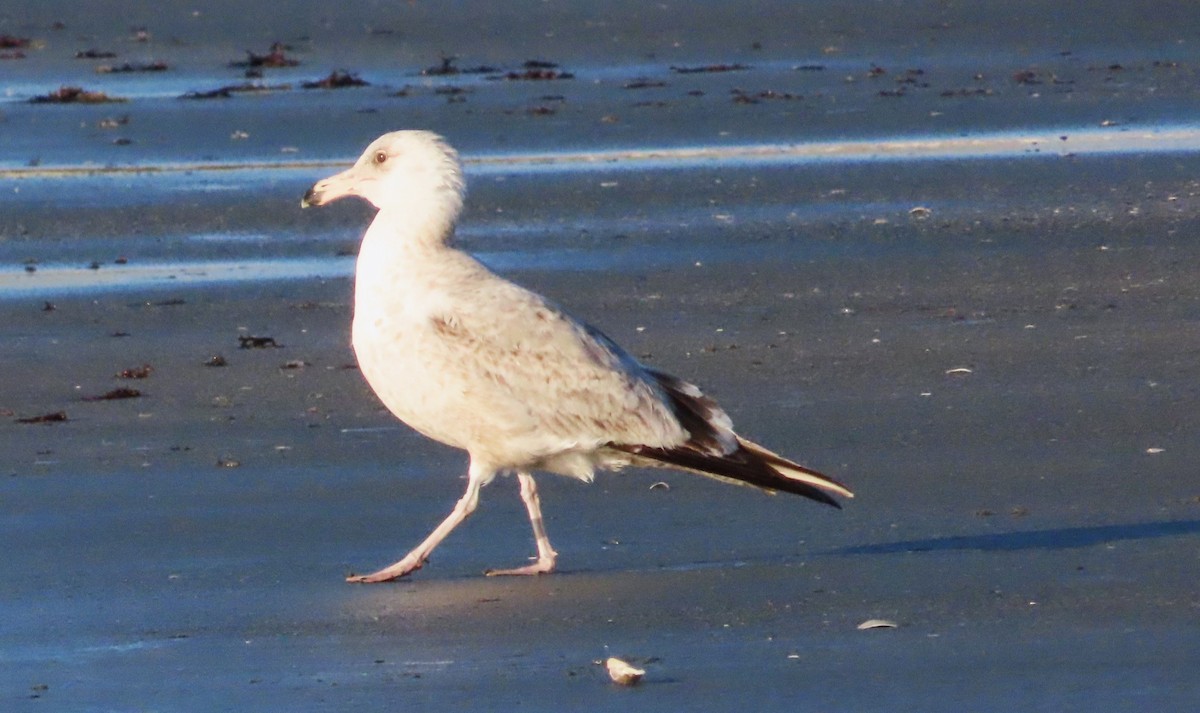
[[622, 673], [959, 370], [877, 624]]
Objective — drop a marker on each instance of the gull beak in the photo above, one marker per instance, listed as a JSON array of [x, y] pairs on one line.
[[330, 189]]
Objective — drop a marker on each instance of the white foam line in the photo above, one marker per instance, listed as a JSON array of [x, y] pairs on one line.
[[57, 280], [1001, 145], [1045, 142]]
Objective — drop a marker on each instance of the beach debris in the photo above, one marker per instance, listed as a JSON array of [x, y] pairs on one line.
[[454, 95], [127, 68], [294, 364], [1155, 450], [959, 371], [136, 372], [94, 53], [661, 485], [113, 123], [710, 68], [809, 68], [920, 212], [1026, 76], [229, 90], [877, 624], [536, 70], [55, 417], [227, 462], [910, 77], [274, 58], [239, 135], [337, 79], [123, 392], [743, 97], [252, 342], [218, 93], [1033, 77], [74, 95], [140, 34], [643, 83], [49, 306], [447, 68], [1015, 511], [622, 673], [968, 92]]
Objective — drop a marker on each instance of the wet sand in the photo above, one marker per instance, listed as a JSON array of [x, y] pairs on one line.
[[1005, 378]]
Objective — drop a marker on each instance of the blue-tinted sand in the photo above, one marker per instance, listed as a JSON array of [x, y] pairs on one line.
[[945, 252]]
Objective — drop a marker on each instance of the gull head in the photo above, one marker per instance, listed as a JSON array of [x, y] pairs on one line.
[[406, 170]]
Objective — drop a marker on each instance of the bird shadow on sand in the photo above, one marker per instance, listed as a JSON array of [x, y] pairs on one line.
[[1052, 539]]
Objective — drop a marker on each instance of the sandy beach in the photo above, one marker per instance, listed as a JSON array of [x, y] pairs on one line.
[[987, 325]]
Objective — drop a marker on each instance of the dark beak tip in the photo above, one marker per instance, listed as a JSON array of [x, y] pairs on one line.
[[310, 199]]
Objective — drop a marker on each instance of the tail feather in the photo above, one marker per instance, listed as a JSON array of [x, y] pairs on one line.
[[714, 450], [751, 465], [795, 471]]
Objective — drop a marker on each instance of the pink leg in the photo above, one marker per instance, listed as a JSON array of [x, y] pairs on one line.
[[546, 553], [416, 559]]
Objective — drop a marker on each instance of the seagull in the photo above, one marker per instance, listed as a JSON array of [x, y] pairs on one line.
[[474, 361]]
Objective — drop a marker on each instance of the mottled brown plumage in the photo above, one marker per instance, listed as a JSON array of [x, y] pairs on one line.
[[477, 362]]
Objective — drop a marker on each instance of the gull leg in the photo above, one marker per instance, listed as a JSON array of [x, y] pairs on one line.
[[546, 553], [416, 559]]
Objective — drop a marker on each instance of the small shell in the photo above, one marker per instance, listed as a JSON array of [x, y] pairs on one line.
[[959, 370], [877, 624], [622, 673]]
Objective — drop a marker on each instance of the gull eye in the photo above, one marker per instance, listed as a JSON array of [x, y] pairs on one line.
[[380, 157]]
